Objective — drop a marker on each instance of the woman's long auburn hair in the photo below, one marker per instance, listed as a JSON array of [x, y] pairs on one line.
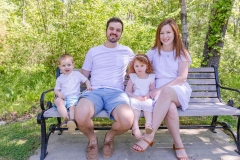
[[177, 42], [143, 59]]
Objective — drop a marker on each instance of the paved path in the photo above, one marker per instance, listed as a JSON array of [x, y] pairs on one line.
[[200, 144]]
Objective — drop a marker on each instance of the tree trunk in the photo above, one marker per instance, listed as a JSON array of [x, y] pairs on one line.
[[236, 21], [184, 22], [23, 13], [220, 13]]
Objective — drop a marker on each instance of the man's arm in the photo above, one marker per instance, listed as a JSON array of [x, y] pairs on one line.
[[85, 73]]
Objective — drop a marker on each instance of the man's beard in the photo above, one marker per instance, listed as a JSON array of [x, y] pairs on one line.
[[113, 40]]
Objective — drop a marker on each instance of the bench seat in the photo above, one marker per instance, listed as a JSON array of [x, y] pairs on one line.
[[194, 109], [205, 101]]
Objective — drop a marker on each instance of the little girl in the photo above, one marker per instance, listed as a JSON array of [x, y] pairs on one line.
[[141, 82]]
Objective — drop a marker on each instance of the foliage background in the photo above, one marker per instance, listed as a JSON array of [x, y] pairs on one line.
[[34, 33]]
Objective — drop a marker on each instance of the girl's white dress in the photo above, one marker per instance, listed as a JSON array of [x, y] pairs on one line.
[[166, 70], [141, 88]]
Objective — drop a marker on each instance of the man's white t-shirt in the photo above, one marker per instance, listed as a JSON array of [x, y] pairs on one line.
[[69, 85], [108, 66]]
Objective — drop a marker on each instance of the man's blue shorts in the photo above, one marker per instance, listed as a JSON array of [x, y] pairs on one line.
[[105, 99]]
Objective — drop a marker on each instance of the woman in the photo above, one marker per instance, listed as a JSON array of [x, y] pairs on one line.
[[171, 61]]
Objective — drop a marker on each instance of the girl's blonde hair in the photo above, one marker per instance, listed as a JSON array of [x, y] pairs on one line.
[[143, 59]]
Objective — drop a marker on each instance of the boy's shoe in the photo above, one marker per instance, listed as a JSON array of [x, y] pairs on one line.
[[64, 124], [71, 125]]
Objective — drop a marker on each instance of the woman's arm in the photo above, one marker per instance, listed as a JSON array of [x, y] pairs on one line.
[[182, 74], [181, 78]]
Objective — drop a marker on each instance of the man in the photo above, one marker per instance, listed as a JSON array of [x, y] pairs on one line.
[[107, 64]]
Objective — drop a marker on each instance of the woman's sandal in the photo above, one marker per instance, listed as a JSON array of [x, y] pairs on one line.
[[180, 158], [148, 128], [140, 136], [142, 150]]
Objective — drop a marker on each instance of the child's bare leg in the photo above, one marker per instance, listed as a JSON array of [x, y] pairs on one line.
[[71, 123], [59, 102], [61, 108], [148, 123], [71, 112], [135, 128]]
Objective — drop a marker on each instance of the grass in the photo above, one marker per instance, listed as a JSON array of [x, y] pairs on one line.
[[19, 140]]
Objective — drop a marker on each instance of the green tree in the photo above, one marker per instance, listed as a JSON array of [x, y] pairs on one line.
[[220, 13]]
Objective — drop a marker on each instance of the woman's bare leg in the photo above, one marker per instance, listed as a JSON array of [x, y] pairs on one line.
[[172, 122]]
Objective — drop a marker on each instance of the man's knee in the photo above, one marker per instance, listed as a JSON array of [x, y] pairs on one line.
[[84, 110], [124, 115]]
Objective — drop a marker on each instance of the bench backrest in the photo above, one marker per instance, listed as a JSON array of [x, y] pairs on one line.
[[203, 82]]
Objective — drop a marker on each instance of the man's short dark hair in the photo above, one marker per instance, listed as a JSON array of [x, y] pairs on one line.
[[114, 19]]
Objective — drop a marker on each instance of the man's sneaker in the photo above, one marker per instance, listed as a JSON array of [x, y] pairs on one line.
[[108, 148], [92, 150]]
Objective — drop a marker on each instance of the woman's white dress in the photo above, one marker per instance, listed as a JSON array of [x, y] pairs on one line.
[[141, 88], [166, 70]]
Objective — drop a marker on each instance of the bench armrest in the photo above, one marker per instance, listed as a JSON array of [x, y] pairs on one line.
[[219, 85], [43, 96], [228, 88]]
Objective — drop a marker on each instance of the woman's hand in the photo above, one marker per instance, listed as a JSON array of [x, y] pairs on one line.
[[141, 98], [154, 93]]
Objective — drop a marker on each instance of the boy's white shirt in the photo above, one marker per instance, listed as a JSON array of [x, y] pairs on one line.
[[69, 85]]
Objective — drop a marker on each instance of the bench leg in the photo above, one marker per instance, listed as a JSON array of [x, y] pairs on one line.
[[235, 136], [43, 140], [59, 123], [214, 124], [237, 141]]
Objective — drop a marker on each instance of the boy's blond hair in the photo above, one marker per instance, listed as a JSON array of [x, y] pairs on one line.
[[65, 56]]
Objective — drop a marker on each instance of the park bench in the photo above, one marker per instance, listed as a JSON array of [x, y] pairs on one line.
[[205, 101]]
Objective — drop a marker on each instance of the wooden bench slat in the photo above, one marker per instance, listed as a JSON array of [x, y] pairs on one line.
[[201, 81], [204, 94], [203, 88], [201, 75], [207, 100], [194, 109], [77, 69], [204, 69]]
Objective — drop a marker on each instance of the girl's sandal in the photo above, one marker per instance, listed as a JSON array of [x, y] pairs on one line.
[[180, 158], [148, 128], [137, 136]]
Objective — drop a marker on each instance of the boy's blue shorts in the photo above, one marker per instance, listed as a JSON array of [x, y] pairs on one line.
[[69, 102]]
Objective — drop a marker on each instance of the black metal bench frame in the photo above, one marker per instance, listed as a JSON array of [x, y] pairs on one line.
[[206, 95]]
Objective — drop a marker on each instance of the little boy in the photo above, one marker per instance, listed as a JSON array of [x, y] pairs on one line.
[[67, 90]]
